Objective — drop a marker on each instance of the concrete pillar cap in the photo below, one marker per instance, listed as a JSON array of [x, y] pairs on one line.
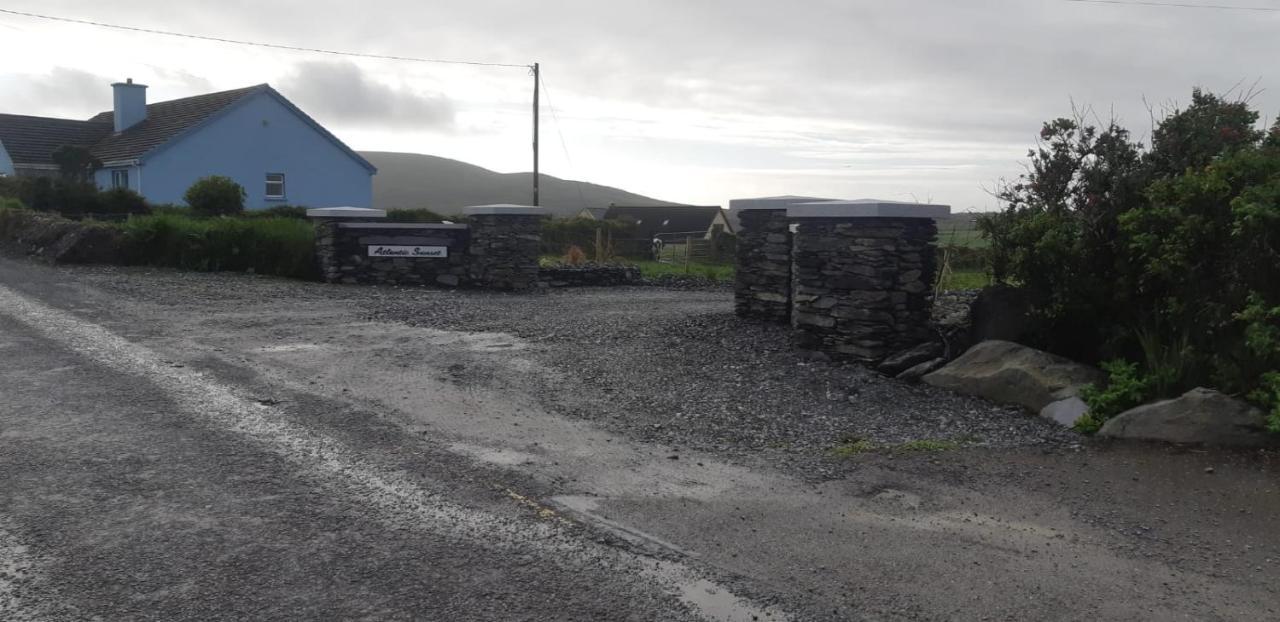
[[346, 212], [867, 208], [504, 209]]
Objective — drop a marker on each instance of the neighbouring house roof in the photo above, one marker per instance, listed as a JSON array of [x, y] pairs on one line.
[[650, 221], [32, 140], [594, 212]]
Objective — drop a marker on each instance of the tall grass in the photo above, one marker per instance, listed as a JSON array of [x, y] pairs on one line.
[[278, 246]]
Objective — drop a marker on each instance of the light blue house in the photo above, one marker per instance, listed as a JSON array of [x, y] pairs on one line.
[[252, 135]]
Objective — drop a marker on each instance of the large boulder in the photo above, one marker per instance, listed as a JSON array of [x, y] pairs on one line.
[[1010, 373], [1200, 416]]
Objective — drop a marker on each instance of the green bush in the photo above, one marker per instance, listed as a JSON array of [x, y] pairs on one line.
[[215, 196], [413, 215], [120, 201], [1169, 256], [279, 211], [278, 246], [1126, 388], [11, 203]]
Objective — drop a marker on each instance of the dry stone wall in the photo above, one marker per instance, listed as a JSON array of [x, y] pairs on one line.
[[504, 250], [861, 286], [381, 253], [762, 282]]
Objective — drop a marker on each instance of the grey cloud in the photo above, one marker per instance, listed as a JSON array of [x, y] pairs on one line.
[[63, 92], [339, 92]]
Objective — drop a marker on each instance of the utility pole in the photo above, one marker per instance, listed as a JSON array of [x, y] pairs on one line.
[[537, 82]]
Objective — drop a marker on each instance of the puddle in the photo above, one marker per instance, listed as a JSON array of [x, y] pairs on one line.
[[710, 600], [715, 603], [290, 347], [503, 457]]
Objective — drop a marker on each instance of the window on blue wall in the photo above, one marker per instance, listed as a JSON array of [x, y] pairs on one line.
[[120, 178], [275, 185]]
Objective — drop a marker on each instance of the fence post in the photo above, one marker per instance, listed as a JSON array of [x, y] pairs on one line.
[[688, 250]]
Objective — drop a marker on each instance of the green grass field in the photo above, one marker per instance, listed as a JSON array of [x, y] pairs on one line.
[[960, 230], [966, 279], [714, 272]]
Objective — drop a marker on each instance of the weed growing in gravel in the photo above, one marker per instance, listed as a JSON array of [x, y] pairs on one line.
[[850, 447], [927, 445]]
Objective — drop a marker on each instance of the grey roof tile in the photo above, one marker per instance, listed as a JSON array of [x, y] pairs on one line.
[[32, 140]]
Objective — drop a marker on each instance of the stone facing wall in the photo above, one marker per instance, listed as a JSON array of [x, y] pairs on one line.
[[589, 275], [504, 250], [342, 252], [762, 283], [861, 287]]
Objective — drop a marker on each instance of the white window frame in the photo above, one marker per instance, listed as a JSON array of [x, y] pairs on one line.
[[120, 175], [269, 183]]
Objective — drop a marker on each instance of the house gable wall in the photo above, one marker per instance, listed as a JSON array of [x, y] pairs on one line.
[[6, 164], [252, 138]]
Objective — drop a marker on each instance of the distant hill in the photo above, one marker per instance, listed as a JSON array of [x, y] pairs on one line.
[[446, 186]]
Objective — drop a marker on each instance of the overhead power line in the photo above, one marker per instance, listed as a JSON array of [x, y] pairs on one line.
[[277, 46], [563, 145], [1182, 5]]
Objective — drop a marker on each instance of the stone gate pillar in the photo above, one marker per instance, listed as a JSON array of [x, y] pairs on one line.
[[762, 281], [505, 241], [862, 276], [762, 278], [326, 221]]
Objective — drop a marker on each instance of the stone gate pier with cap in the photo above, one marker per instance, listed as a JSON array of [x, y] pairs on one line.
[[496, 248], [861, 273]]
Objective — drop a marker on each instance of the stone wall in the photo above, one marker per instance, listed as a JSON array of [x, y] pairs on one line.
[[589, 275], [504, 250], [55, 239], [861, 287], [344, 254], [762, 282]]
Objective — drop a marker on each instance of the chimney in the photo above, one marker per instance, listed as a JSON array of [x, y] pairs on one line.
[[130, 104]]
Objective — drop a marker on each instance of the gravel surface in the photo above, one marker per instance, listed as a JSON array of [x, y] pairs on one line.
[[678, 367], [671, 365], [1022, 517]]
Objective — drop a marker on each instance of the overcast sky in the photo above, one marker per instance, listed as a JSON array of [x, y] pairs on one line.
[[696, 101]]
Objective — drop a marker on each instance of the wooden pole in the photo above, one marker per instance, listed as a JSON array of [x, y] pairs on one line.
[[537, 82]]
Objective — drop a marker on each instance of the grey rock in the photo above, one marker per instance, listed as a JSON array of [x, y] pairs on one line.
[[1065, 412], [1006, 372], [1200, 416]]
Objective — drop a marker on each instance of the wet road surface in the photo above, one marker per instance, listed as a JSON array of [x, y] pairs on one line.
[[283, 457]]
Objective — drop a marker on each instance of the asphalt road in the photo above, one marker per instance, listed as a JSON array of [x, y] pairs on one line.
[[224, 447]]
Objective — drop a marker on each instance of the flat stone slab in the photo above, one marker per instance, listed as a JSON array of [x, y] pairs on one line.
[[867, 208], [1065, 412], [768, 203], [346, 212]]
